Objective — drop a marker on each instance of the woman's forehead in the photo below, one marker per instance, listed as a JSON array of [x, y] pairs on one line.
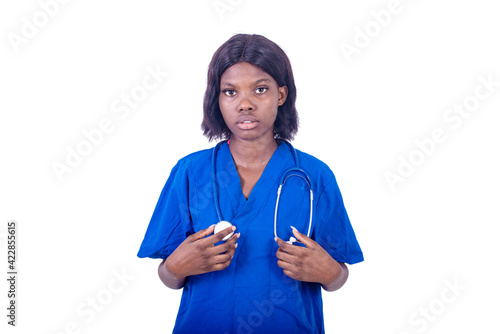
[[244, 73]]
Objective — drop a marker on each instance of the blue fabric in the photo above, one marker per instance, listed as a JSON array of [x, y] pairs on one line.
[[252, 295]]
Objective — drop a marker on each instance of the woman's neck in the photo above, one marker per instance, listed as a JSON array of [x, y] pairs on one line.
[[252, 154]]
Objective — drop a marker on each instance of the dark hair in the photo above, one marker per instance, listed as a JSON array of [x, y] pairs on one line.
[[266, 55]]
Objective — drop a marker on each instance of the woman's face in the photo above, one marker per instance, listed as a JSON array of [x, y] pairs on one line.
[[249, 101]]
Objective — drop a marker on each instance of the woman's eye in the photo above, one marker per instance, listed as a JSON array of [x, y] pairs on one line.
[[261, 90], [229, 92]]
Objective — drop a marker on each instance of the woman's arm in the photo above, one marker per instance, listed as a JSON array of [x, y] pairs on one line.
[[198, 255], [168, 278], [338, 278]]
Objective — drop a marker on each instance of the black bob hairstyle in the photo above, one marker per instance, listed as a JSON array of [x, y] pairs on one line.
[[266, 55]]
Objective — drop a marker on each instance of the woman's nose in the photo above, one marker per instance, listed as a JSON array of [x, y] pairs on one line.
[[246, 104]]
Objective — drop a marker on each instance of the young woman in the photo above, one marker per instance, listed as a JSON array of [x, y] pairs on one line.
[[251, 281]]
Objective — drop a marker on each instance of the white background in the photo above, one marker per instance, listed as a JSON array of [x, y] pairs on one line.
[[438, 226]]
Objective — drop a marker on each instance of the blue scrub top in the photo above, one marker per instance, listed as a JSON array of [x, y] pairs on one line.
[[252, 295]]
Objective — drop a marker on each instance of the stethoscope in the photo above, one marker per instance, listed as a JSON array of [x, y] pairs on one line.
[[294, 171]]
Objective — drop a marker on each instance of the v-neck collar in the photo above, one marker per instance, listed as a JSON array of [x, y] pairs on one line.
[[230, 191]]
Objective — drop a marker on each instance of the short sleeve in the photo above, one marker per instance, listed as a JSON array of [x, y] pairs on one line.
[[171, 222], [333, 229]]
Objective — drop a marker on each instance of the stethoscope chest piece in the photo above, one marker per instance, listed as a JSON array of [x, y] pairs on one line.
[[221, 226]]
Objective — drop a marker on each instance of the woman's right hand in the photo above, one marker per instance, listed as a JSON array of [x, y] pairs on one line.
[[198, 255]]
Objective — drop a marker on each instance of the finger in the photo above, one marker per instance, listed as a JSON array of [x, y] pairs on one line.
[[222, 261], [215, 238], [220, 266], [203, 233], [221, 258], [279, 242], [222, 234], [286, 266], [303, 238], [284, 256], [226, 246], [234, 236], [291, 274], [284, 246]]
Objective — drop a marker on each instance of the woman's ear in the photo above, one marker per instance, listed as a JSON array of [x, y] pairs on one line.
[[282, 95]]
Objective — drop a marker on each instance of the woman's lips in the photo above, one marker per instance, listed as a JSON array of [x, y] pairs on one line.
[[247, 123]]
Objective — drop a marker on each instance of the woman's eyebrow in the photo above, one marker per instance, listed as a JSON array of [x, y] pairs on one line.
[[255, 83], [262, 80]]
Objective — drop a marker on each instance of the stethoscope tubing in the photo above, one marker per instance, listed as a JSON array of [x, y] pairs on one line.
[[287, 174]]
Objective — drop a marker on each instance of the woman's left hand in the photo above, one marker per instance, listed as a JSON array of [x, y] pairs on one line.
[[311, 263]]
